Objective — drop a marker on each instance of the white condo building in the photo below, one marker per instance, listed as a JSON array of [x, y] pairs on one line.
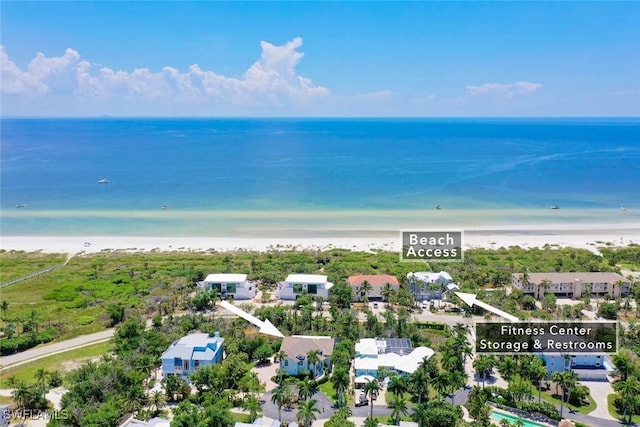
[[572, 285], [234, 286]]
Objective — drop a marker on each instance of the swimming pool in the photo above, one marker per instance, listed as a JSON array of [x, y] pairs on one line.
[[497, 416]]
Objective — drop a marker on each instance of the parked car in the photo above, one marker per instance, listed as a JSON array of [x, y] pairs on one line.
[[362, 400], [375, 305]]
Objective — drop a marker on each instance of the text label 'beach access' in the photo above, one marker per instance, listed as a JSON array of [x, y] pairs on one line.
[[431, 246]]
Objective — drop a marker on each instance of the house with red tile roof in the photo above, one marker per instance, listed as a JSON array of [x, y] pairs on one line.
[[378, 283]]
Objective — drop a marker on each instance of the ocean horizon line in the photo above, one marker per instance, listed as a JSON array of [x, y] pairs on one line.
[[547, 213], [259, 117]]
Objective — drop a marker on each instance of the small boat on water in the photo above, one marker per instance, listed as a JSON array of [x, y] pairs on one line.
[[438, 207], [164, 207], [103, 181], [555, 207], [21, 205], [623, 209]]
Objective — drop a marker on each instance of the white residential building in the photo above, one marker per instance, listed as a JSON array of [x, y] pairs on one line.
[[304, 284], [234, 286], [427, 285], [572, 285], [588, 367], [394, 354]]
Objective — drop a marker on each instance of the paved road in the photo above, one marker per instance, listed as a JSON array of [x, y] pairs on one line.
[[55, 348]]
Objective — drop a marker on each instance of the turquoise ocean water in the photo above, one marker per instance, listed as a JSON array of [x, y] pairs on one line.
[[305, 177]]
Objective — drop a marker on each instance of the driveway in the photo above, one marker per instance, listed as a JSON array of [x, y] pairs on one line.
[[265, 373], [599, 391], [270, 409]]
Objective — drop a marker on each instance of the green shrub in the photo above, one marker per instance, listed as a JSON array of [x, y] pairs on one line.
[[85, 320]]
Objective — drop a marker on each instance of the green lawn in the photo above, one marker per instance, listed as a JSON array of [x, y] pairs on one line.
[[614, 412], [327, 390], [241, 418], [6, 400], [582, 409], [388, 396], [390, 421], [27, 371]]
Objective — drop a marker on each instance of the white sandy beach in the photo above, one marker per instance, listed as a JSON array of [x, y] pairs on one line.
[[579, 236]]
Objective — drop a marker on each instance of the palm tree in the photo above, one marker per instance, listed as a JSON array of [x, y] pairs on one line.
[[254, 407], [371, 422], [307, 413], [279, 397], [484, 366], [507, 368], [365, 289], [280, 357], [623, 363], [41, 379], [456, 379], [441, 383], [565, 381], [629, 391], [476, 402], [398, 385], [340, 381], [306, 389], [537, 373], [420, 415], [545, 284], [313, 358], [570, 381], [157, 401], [399, 409], [419, 382], [371, 388], [386, 291], [4, 306], [20, 392]]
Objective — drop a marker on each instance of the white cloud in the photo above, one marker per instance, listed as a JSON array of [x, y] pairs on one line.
[[509, 90], [271, 80]]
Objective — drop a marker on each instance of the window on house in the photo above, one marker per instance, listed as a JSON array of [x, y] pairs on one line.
[[286, 363], [196, 364], [312, 289], [301, 363], [185, 365]]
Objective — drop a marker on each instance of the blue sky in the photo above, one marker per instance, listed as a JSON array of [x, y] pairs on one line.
[[320, 58]]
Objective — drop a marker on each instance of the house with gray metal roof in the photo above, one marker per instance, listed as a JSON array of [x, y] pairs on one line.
[[191, 352]]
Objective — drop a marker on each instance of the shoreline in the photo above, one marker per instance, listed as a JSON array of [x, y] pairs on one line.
[[535, 236]]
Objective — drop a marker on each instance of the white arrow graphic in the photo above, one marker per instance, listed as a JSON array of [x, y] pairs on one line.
[[266, 327], [470, 300]]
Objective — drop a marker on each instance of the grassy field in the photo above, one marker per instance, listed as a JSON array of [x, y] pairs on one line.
[[62, 362], [16, 264], [614, 412]]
